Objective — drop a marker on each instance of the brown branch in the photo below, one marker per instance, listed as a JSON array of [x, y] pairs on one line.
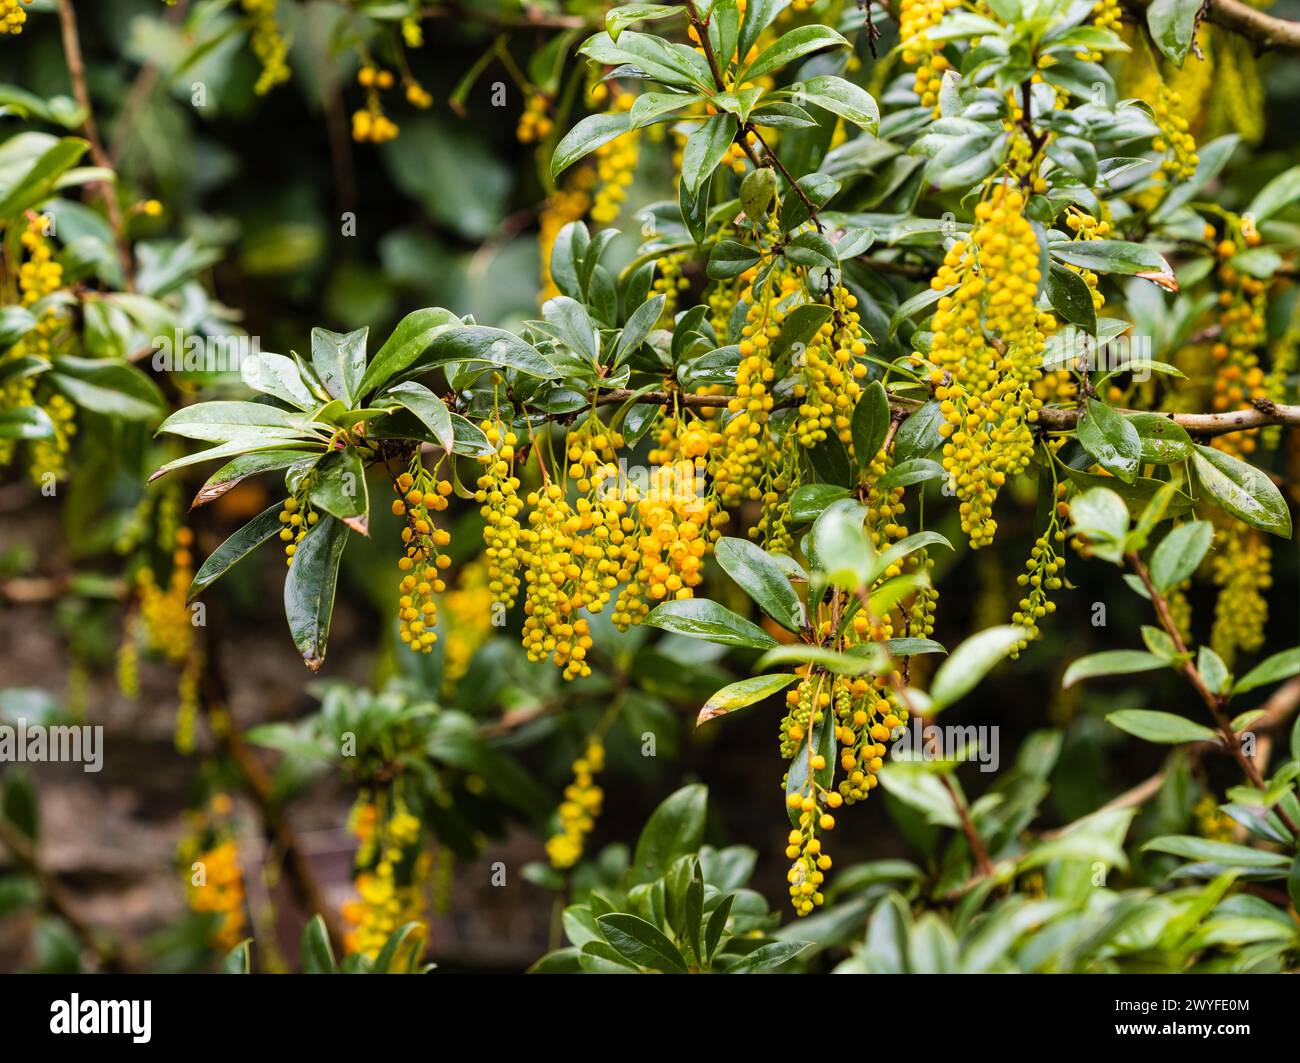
[[968, 828], [77, 75], [118, 959], [1217, 704], [1267, 31]]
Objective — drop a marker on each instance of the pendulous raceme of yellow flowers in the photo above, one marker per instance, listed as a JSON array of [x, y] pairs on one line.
[[1175, 139], [214, 883], [370, 124], [615, 166], [831, 375], [298, 517], [391, 873], [915, 17], [268, 44], [535, 121], [420, 496], [164, 612], [1241, 567], [1042, 573], [1238, 377], [499, 504], [986, 354], [579, 809]]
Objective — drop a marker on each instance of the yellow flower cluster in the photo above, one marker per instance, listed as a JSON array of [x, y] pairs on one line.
[[214, 883], [467, 612], [748, 449], [49, 455], [38, 277], [615, 166], [268, 44], [1241, 567], [670, 281], [567, 204], [392, 872], [579, 809], [1239, 378], [986, 354], [498, 499], [422, 565], [552, 628], [915, 17], [866, 717], [1175, 138], [164, 612], [297, 515], [1042, 573], [12, 17], [370, 124], [534, 122], [829, 389]]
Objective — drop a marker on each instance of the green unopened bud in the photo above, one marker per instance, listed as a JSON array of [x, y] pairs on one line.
[[756, 192]]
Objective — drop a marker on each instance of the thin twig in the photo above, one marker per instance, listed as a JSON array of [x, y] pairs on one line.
[[77, 75]]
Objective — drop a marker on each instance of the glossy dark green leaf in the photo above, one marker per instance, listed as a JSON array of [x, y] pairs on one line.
[[674, 828], [700, 618], [339, 359], [641, 942], [266, 525], [410, 340], [1242, 490], [750, 566], [1179, 554], [338, 486], [1108, 437], [310, 586]]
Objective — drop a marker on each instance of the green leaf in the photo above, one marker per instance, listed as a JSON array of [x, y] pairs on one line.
[[1242, 490], [1111, 662], [809, 501], [594, 131], [790, 46], [1206, 850], [1172, 23], [1113, 256], [15, 323], [115, 389], [716, 926], [338, 486], [226, 421], [641, 942], [674, 828], [742, 694], [1280, 666], [1164, 442], [842, 555], [705, 148], [493, 346], [1278, 194], [1162, 727], [770, 956], [730, 258], [241, 468], [813, 250], [700, 618], [870, 422], [1108, 437], [339, 359], [912, 471], [970, 662], [840, 97], [264, 526], [310, 586], [279, 377], [239, 960], [41, 179], [619, 18], [1179, 554], [25, 422], [759, 14], [317, 956], [429, 408], [413, 336], [750, 566], [1213, 670]]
